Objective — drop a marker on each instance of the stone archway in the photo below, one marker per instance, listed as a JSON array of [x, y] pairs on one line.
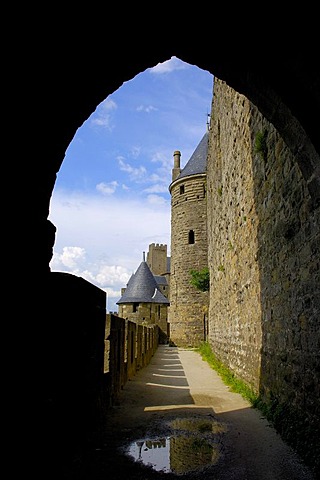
[[67, 78], [285, 89]]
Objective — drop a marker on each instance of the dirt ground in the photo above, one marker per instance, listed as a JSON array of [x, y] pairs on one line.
[[212, 433]]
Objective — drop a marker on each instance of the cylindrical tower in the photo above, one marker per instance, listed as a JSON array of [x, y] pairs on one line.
[[189, 248]]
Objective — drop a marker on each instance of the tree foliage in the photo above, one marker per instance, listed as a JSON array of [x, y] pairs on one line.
[[200, 279]]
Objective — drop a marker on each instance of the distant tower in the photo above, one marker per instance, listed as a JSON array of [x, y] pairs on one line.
[[189, 247], [157, 258], [159, 264], [143, 302]]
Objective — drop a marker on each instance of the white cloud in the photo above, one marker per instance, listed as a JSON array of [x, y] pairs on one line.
[[160, 176], [155, 177], [164, 158], [156, 200], [99, 236], [135, 152], [102, 116], [111, 275], [134, 172], [102, 239], [169, 66], [108, 104], [147, 109], [71, 257], [107, 188], [157, 188]]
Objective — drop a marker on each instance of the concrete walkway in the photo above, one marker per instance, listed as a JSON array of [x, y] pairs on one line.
[[178, 384]]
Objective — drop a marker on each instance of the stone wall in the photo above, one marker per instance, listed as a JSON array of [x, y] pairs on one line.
[[188, 306], [147, 314], [128, 348], [71, 396], [263, 236], [157, 258], [235, 329]]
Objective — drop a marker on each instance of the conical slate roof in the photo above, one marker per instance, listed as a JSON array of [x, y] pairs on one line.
[[198, 160], [161, 280], [142, 288]]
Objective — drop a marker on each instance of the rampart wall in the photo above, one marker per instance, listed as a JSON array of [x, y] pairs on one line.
[[128, 348], [263, 250], [86, 359]]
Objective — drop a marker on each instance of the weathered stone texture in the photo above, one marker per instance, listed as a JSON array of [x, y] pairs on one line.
[[157, 258], [187, 304], [263, 251], [145, 314]]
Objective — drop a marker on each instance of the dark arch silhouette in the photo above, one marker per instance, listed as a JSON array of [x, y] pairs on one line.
[[284, 86], [61, 75]]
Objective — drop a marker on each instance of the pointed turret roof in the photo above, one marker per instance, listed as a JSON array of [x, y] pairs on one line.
[[143, 288], [198, 160]]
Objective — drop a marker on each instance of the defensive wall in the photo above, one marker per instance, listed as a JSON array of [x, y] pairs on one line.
[[87, 356], [264, 258], [128, 348]]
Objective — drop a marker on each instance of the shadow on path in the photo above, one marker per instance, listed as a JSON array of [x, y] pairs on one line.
[[179, 397]]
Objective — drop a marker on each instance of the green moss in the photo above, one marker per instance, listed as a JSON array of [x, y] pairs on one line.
[[261, 144], [200, 279], [301, 434], [236, 385]]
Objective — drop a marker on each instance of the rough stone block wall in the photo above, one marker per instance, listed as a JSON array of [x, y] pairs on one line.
[[147, 314], [263, 236], [131, 349], [157, 258], [114, 355], [187, 304], [139, 347], [235, 330]]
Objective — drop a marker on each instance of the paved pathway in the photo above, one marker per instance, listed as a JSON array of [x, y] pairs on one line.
[[176, 385]]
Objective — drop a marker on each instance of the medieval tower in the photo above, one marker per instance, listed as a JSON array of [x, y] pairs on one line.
[[189, 248], [159, 264], [157, 258]]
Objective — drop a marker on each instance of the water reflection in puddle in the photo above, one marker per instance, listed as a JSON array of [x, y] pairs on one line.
[[152, 452], [194, 444]]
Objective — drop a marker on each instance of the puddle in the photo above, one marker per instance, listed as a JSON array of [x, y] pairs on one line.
[[193, 445], [154, 452]]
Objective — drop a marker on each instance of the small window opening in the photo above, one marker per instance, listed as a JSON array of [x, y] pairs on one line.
[[191, 237], [135, 307], [181, 189]]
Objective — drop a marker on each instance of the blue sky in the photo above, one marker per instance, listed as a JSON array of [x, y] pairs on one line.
[[111, 197]]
